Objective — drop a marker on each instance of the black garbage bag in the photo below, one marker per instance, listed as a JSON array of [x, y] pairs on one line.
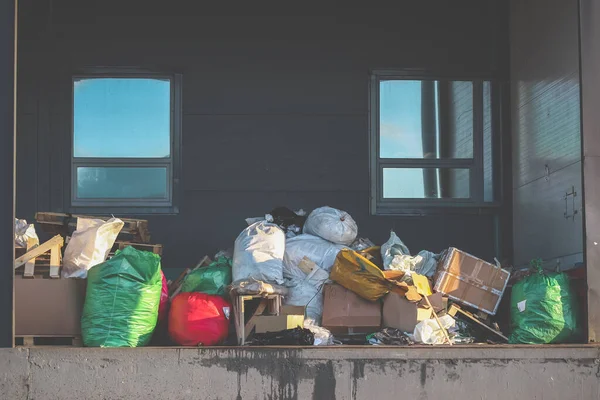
[[285, 218], [289, 337], [390, 337]]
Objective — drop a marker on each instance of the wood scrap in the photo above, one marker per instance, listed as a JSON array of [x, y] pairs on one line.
[[65, 224], [455, 309], [56, 241]]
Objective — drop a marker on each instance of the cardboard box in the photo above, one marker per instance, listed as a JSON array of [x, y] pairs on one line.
[[402, 314], [471, 281], [345, 310], [48, 307], [289, 318]]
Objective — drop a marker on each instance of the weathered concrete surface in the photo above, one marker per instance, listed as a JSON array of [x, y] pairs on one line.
[[316, 373]]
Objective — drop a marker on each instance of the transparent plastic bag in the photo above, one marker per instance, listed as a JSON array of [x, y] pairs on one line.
[[318, 250], [258, 253], [25, 233]]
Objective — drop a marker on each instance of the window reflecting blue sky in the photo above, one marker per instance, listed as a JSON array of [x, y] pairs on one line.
[[122, 117], [400, 136]]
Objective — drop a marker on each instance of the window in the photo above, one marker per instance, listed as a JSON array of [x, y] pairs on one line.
[[125, 142], [431, 144]]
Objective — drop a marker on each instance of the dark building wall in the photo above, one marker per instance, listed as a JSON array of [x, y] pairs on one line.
[[546, 131], [274, 107]]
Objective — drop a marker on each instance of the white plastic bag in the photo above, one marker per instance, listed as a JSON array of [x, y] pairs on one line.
[[331, 224], [323, 337], [396, 256], [428, 331], [307, 293], [318, 250], [258, 253], [89, 245], [25, 233]]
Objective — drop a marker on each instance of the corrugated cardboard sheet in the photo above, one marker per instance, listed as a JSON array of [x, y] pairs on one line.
[[471, 281]]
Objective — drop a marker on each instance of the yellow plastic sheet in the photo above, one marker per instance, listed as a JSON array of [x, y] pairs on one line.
[[356, 273]]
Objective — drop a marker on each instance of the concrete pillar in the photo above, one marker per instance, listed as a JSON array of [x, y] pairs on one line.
[[7, 166]]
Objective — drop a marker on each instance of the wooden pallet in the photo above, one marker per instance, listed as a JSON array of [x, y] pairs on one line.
[[52, 246], [244, 326], [65, 224], [45, 340], [154, 248]]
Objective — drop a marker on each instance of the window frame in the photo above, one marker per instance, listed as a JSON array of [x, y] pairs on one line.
[[167, 205], [435, 206]]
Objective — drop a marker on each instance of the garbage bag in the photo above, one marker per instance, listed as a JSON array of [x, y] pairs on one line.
[[332, 224], [396, 256], [122, 300], [428, 331], [286, 218], [543, 309], [389, 337], [323, 337], [289, 337], [25, 233], [89, 245], [318, 250], [356, 273], [258, 253], [212, 279], [307, 293], [163, 306], [198, 319]]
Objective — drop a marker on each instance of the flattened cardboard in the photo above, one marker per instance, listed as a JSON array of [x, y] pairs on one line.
[[399, 313], [48, 307], [471, 281], [343, 308], [290, 318]]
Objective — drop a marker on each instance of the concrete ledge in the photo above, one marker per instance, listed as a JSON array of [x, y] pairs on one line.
[[375, 373]]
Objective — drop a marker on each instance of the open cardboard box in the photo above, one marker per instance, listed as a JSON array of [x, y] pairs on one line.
[[400, 313], [345, 311]]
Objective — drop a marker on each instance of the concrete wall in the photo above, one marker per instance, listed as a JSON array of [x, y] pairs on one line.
[[275, 104], [492, 373], [546, 133]]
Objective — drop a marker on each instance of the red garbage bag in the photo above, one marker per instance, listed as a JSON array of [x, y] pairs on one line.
[[163, 307], [198, 319]]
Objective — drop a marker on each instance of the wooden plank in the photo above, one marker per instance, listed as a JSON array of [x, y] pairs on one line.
[[55, 258], [41, 249], [29, 269], [454, 309], [154, 248], [63, 223]]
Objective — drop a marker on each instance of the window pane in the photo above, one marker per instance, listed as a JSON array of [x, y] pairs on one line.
[[488, 172], [426, 183], [122, 182], [425, 119], [459, 143], [122, 117]]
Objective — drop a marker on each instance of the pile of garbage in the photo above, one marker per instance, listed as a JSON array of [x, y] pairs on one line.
[[298, 279]]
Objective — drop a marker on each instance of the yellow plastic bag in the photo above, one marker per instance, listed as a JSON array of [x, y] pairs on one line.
[[356, 273]]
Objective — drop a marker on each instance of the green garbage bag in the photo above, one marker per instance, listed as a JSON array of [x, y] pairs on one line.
[[212, 279], [543, 309], [122, 299]]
